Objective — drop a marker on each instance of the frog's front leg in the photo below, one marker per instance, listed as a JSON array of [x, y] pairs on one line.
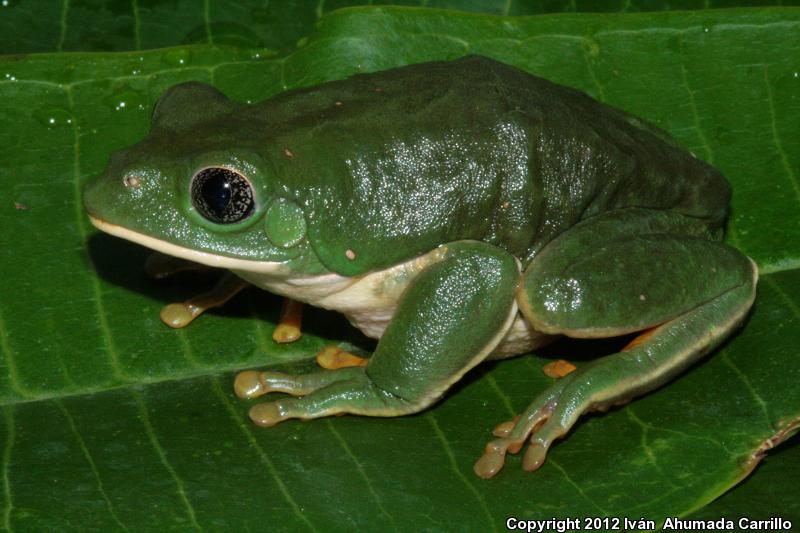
[[618, 273], [450, 318], [181, 314]]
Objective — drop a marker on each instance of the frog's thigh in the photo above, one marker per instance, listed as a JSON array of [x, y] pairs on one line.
[[625, 271], [450, 318], [694, 291]]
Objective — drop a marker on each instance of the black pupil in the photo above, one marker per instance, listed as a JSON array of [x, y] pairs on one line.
[[222, 195]]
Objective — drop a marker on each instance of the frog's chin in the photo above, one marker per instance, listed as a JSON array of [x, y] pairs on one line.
[[204, 258]]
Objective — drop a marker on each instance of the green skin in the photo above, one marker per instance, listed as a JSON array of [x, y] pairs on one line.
[[539, 204]]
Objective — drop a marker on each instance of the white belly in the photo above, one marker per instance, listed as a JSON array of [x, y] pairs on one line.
[[369, 301]]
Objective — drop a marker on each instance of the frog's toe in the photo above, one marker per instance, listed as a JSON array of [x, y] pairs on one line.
[[179, 315], [513, 435], [492, 460], [504, 428], [344, 391], [252, 384], [286, 333], [540, 442], [334, 358], [248, 384], [268, 414]]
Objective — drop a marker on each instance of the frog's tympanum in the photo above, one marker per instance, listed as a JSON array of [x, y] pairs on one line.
[[458, 211]]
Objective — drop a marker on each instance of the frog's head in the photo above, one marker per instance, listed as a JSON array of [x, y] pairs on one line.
[[197, 188]]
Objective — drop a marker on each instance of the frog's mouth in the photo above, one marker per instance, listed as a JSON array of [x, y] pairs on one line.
[[204, 258]]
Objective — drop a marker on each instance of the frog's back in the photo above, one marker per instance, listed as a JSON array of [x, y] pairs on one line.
[[392, 164]]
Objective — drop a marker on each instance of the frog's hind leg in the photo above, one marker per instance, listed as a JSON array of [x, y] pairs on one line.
[[620, 273], [451, 316]]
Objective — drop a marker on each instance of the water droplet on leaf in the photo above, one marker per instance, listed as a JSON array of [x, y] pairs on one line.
[[177, 57], [126, 99], [53, 117]]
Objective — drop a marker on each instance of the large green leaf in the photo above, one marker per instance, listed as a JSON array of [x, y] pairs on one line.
[[89, 25], [771, 492], [112, 420]]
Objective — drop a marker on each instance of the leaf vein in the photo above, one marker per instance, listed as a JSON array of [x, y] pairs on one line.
[[258, 327], [207, 21], [709, 156], [502, 395], [151, 435], [601, 93], [778, 144], [137, 30], [10, 359], [578, 487], [749, 386], [454, 466], [63, 23], [789, 302], [779, 266], [263, 456], [361, 472], [90, 460], [108, 341], [186, 348], [646, 446], [8, 414]]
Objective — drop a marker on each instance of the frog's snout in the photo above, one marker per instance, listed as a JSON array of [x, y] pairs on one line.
[[92, 193]]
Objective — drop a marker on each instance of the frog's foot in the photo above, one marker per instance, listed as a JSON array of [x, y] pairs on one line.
[[288, 328], [333, 358], [319, 394], [181, 314], [562, 294], [548, 418], [160, 266], [252, 383]]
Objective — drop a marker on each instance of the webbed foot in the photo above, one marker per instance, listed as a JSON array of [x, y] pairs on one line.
[[332, 358], [548, 418], [324, 393]]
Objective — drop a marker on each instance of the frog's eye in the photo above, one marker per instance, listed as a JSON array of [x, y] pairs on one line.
[[222, 195]]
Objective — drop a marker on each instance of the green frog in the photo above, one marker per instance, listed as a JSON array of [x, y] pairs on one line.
[[458, 211]]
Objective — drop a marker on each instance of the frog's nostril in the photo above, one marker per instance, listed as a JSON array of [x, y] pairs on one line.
[[132, 181]]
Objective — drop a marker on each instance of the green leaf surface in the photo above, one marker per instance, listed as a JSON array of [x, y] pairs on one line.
[[119, 25], [111, 420], [770, 493]]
